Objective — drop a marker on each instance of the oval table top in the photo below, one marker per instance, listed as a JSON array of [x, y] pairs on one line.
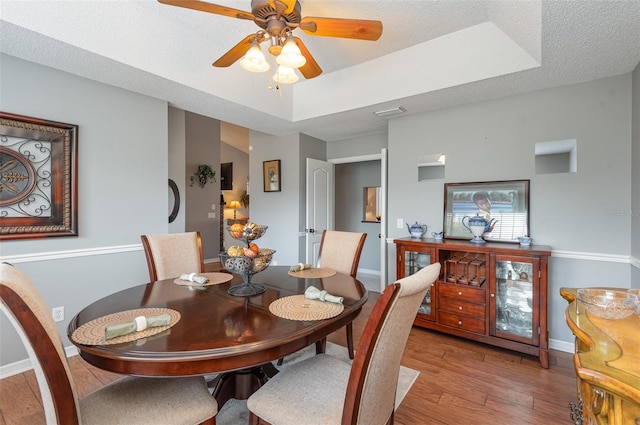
[[216, 332]]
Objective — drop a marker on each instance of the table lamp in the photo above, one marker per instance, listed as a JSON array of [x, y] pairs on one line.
[[234, 205]]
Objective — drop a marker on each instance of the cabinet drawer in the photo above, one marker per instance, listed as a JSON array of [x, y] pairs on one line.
[[467, 293], [462, 322], [462, 307]]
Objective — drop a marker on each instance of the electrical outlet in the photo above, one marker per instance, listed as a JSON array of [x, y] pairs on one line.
[[399, 223], [58, 314]]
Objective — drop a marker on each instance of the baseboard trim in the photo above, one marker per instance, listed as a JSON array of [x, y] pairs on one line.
[[556, 344], [25, 365]]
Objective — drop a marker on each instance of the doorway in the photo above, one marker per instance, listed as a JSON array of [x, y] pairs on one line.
[[354, 177]]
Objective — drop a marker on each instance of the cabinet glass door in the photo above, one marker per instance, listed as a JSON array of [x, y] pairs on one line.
[[514, 299], [414, 261]]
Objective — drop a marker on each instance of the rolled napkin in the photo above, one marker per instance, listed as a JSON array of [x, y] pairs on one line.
[[313, 293], [194, 277], [299, 266], [140, 323]]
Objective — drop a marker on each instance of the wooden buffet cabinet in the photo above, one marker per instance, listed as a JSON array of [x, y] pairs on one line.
[[607, 363], [494, 292]]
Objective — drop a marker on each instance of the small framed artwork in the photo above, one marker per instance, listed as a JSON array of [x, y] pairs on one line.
[[272, 177], [226, 176], [38, 178], [503, 204]]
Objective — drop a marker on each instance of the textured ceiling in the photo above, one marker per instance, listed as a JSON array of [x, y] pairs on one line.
[[432, 54]]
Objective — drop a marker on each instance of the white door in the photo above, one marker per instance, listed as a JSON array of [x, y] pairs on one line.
[[383, 220], [320, 213]]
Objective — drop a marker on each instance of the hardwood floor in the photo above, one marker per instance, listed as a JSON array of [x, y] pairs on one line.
[[460, 382]]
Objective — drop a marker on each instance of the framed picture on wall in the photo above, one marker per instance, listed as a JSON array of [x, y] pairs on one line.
[[271, 175], [226, 176], [504, 205], [38, 178]]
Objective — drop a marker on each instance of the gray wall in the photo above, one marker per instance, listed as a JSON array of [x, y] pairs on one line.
[[177, 152], [202, 136], [357, 146], [278, 210], [635, 181], [122, 189], [351, 179], [582, 216]]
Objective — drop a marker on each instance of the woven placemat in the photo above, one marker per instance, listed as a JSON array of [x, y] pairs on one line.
[[313, 273], [297, 307], [92, 333], [214, 279]]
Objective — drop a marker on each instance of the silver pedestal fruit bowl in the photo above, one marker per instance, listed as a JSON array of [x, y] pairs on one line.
[[246, 260], [246, 267]]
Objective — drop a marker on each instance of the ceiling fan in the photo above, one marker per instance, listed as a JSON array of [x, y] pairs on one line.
[[278, 19]]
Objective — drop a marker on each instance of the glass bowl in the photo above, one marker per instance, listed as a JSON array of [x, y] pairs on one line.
[[608, 304]]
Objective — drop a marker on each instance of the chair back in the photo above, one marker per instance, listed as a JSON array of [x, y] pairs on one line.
[[30, 316], [371, 392], [341, 251], [168, 256]]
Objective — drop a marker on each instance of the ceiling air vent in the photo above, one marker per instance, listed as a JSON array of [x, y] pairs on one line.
[[389, 112]]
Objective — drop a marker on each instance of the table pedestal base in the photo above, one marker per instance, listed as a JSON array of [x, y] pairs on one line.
[[240, 384]]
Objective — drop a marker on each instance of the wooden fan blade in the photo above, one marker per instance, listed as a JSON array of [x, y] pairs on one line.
[[210, 8], [343, 28], [311, 68], [235, 53], [289, 5]]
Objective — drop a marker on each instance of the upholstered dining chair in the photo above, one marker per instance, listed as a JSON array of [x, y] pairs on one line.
[[341, 252], [324, 390], [127, 400], [172, 254]]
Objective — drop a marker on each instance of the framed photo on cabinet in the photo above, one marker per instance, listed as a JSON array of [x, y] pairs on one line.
[[503, 204]]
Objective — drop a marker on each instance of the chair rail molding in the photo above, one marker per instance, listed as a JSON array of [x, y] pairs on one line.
[[72, 253]]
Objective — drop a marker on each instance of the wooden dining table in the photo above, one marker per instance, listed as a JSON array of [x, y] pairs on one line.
[[235, 338]]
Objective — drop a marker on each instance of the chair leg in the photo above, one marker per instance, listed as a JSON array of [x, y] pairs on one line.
[[321, 346], [211, 421], [349, 328], [255, 420], [280, 360]]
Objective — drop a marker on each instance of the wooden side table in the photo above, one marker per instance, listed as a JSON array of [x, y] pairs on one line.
[[607, 363]]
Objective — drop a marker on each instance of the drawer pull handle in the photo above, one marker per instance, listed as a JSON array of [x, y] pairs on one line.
[[460, 308], [459, 292], [493, 295], [460, 322]]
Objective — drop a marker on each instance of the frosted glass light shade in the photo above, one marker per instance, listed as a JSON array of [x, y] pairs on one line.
[[254, 60], [285, 75], [290, 55]]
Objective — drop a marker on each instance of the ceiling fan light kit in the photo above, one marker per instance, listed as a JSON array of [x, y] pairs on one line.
[[254, 60], [290, 55], [285, 75], [278, 19]]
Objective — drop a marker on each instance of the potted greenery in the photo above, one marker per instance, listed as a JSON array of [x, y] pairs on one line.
[[244, 199], [204, 174]]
